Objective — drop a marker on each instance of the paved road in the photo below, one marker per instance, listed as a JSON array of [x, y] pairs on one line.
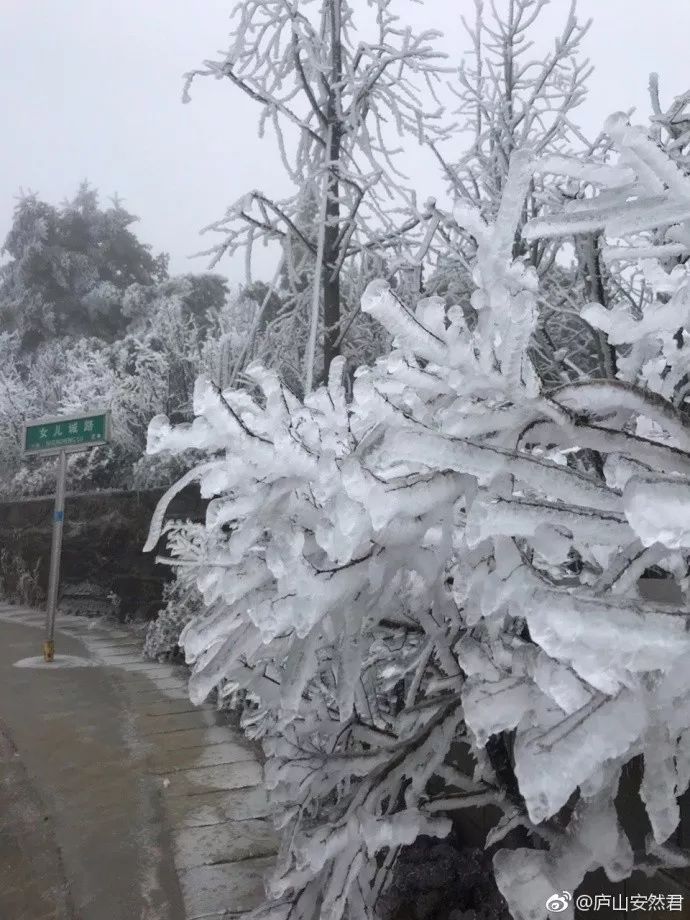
[[118, 799], [32, 879]]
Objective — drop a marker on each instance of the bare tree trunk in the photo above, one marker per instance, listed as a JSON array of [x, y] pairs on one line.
[[318, 282], [595, 290], [331, 277]]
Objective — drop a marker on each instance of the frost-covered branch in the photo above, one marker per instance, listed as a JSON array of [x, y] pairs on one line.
[[333, 106], [443, 562]]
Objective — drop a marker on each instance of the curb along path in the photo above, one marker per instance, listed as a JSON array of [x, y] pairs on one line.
[[188, 781]]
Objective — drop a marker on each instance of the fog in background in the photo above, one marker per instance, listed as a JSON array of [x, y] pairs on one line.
[[92, 90]]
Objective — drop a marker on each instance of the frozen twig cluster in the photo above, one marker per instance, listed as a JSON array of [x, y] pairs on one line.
[[515, 94], [449, 561], [335, 106], [512, 96]]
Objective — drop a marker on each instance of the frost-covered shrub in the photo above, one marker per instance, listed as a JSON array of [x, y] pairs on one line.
[[19, 582], [449, 562], [433, 880], [163, 634]]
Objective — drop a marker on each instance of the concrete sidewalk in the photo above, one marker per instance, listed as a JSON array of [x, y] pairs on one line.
[[128, 802]]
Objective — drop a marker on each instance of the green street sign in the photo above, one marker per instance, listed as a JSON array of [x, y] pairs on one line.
[[65, 432]]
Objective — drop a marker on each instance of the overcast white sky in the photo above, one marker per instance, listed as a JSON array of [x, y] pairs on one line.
[[90, 89]]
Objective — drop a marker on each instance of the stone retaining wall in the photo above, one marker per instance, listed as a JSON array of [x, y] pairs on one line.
[[104, 533]]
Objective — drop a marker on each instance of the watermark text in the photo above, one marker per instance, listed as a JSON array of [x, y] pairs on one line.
[[561, 901]]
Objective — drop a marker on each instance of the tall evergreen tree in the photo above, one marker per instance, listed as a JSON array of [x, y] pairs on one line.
[[69, 267]]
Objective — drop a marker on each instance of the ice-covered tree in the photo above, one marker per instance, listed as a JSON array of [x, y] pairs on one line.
[[17, 403], [68, 267], [197, 298], [641, 214], [173, 335], [672, 126], [173, 330], [514, 92], [513, 95], [279, 334], [340, 100], [70, 374], [432, 567]]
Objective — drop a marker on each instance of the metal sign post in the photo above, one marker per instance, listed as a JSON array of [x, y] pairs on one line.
[[62, 435], [55, 552]]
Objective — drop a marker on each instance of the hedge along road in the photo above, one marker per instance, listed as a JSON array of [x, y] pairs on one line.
[[119, 799]]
